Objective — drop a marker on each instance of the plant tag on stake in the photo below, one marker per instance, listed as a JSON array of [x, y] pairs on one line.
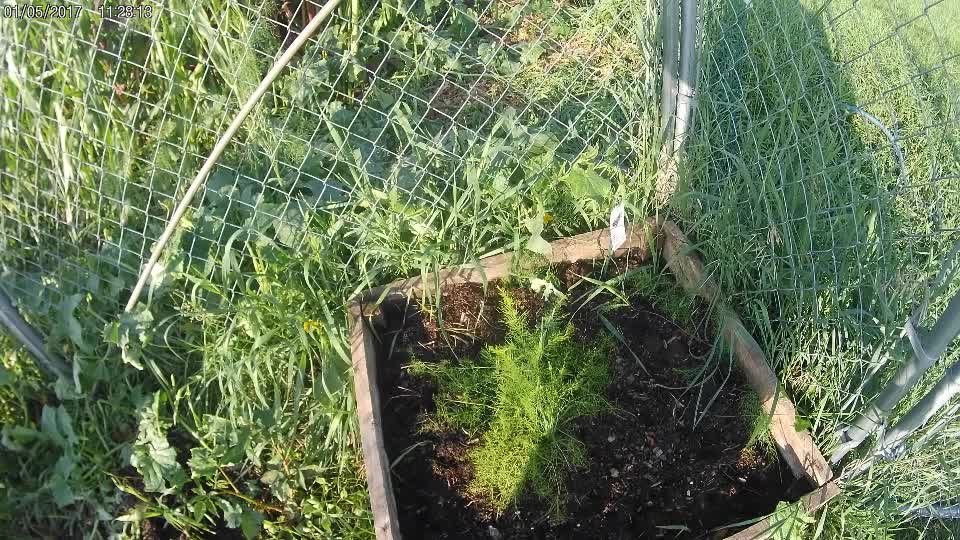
[[618, 228]]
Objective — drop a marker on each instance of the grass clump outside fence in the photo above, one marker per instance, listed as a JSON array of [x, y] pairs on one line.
[[521, 398]]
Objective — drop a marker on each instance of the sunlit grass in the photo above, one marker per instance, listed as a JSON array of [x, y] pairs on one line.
[[802, 213]]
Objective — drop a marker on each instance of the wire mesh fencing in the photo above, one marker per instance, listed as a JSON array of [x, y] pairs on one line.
[[820, 178], [372, 124]]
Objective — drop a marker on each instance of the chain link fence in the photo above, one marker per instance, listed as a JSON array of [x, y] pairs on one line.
[[820, 179], [374, 121]]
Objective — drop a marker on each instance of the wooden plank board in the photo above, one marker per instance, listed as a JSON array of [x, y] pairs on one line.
[[382, 502], [590, 245]]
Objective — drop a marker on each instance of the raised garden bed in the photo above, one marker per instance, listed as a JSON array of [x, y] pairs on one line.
[[648, 470]]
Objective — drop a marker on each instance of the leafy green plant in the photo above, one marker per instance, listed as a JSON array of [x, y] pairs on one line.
[[152, 454], [521, 398]]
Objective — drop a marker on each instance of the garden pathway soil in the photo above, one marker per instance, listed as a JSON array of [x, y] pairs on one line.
[[650, 473]]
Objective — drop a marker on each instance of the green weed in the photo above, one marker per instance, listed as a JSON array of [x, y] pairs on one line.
[[790, 522], [758, 422], [665, 295]]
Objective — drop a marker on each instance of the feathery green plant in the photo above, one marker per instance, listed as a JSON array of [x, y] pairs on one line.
[[521, 398]]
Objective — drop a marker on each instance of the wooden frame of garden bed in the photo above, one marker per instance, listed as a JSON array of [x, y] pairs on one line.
[[797, 448]]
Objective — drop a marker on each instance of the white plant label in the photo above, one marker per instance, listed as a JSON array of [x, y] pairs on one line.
[[618, 227]]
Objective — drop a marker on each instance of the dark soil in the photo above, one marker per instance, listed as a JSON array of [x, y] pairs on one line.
[[662, 464]]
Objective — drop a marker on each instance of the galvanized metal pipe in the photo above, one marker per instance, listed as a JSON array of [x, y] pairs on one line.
[[686, 93], [937, 398], [927, 347], [30, 339], [670, 30]]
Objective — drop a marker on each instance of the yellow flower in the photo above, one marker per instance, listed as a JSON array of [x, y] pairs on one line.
[[309, 325], [547, 218]]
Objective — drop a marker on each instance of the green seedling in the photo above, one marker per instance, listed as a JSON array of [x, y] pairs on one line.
[[521, 399]]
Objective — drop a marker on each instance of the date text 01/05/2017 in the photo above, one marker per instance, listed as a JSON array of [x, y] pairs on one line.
[[40, 11], [62, 11]]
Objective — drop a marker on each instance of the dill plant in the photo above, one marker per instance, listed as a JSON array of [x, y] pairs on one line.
[[521, 399]]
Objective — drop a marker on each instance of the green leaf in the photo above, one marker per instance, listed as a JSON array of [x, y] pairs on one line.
[[270, 477], [130, 334], [231, 513], [65, 425], [289, 227], [135, 515], [162, 275], [530, 52], [65, 465], [250, 523], [536, 243], [69, 388], [57, 425], [587, 184], [61, 491], [71, 326], [535, 223], [203, 463], [17, 438], [240, 516]]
